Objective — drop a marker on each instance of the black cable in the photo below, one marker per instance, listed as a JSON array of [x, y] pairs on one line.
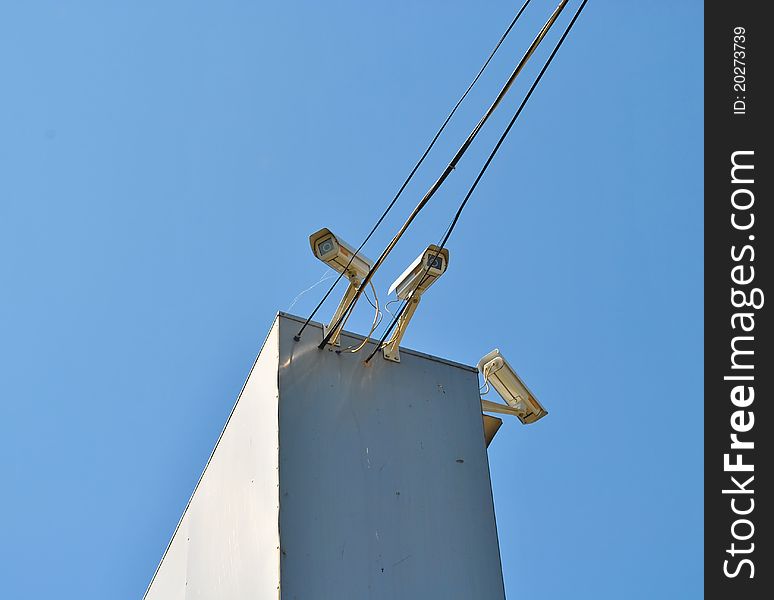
[[416, 166], [450, 167], [453, 223]]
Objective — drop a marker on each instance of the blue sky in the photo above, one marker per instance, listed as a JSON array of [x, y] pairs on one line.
[[161, 166]]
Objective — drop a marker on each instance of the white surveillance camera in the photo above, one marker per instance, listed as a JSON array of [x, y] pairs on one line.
[[337, 254], [422, 273], [410, 286], [521, 402], [341, 257]]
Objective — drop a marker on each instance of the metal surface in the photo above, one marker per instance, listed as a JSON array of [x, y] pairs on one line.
[[335, 480], [491, 427], [384, 480], [225, 546]]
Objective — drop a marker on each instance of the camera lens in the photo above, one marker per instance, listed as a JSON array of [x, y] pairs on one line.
[[435, 262], [325, 246]]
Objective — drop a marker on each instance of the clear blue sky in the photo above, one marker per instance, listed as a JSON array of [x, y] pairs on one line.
[[161, 166]]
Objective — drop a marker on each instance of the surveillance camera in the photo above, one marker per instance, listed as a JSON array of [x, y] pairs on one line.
[[410, 286], [343, 258], [337, 254], [521, 402], [422, 273]]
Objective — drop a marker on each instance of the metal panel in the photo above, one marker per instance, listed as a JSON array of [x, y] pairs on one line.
[[491, 427], [335, 480], [227, 544], [169, 581], [384, 480]]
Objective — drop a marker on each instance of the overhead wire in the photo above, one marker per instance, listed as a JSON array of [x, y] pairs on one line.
[[450, 167], [325, 277], [492, 154], [387, 304], [377, 319], [416, 166], [484, 389]]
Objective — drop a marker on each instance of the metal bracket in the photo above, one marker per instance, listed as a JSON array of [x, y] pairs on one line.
[[354, 284], [503, 409], [392, 348]]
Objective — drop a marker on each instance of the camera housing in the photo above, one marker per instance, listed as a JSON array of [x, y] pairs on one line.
[[337, 254], [341, 257], [520, 401], [413, 282], [422, 273]]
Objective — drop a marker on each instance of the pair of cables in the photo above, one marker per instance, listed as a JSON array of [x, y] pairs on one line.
[[396, 318], [455, 219], [416, 167], [449, 168]]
